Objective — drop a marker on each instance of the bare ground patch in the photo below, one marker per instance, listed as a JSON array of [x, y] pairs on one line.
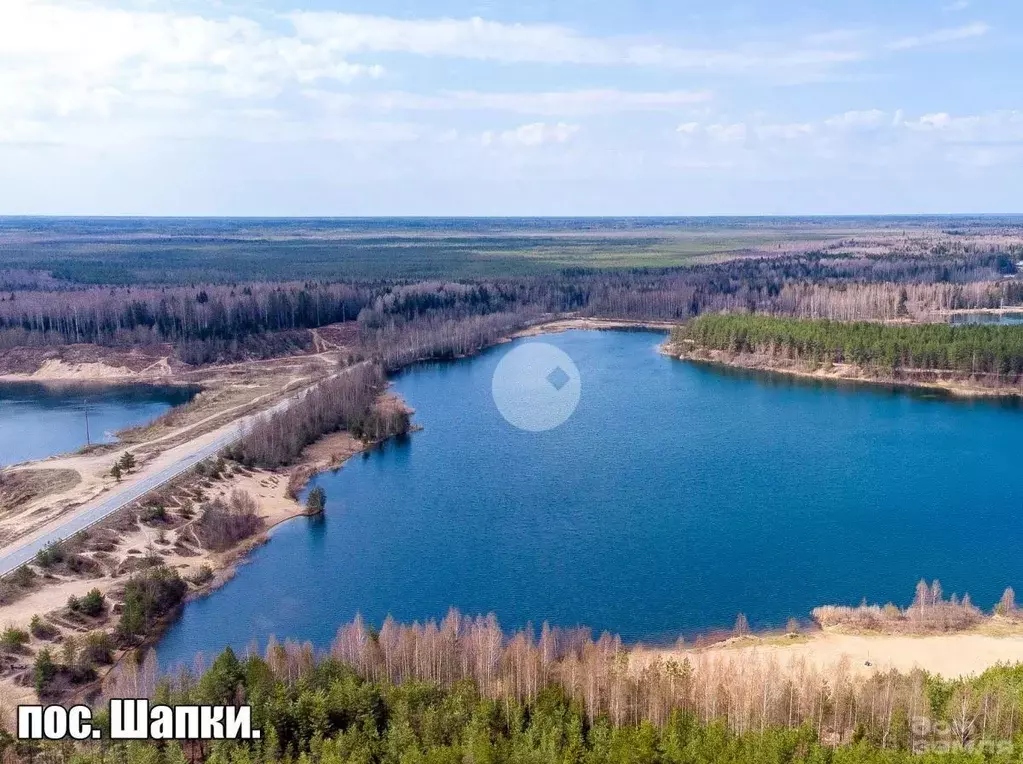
[[87, 362], [20, 487]]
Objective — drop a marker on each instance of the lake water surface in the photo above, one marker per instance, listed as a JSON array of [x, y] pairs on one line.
[[675, 497], [37, 420]]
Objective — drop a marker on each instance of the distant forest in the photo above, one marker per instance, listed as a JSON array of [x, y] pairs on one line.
[[971, 349], [400, 320], [170, 252]]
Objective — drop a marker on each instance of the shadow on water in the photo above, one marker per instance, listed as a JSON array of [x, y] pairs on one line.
[[64, 394], [780, 380]]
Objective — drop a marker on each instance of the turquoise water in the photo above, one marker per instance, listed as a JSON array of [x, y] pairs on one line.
[[675, 497], [37, 421]]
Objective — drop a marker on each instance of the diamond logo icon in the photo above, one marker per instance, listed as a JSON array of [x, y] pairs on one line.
[[536, 386], [558, 378]]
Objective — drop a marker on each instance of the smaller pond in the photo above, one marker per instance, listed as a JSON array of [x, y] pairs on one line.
[[37, 421], [979, 317]]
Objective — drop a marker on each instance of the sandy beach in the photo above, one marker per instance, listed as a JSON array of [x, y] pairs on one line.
[[950, 655]]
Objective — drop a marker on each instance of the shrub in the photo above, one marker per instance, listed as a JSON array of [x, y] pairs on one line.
[[147, 597], [76, 563], [59, 554], [930, 612], [93, 603], [1007, 604], [44, 670], [153, 513], [51, 555], [97, 649], [151, 559], [223, 524], [214, 469], [23, 576], [203, 576], [13, 639], [42, 629]]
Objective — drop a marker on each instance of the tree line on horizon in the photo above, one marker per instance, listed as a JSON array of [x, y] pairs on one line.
[[212, 323]]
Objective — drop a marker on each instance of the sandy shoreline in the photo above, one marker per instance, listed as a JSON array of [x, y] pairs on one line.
[[556, 326], [839, 372]]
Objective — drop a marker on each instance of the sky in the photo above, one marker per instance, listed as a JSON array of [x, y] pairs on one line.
[[510, 107]]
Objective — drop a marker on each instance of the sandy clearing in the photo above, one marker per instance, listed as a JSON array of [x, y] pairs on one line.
[[950, 655], [568, 324], [48, 598], [56, 370]]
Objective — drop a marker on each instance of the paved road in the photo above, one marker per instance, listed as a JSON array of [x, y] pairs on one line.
[[128, 494]]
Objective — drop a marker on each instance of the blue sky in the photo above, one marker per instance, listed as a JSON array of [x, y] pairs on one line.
[[486, 107]]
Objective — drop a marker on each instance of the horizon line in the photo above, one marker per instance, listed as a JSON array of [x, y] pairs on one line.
[[119, 216]]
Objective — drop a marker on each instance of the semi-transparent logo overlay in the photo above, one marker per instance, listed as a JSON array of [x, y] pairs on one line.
[[536, 387]]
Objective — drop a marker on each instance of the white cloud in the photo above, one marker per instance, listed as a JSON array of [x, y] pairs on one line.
[[857, 120], [976, 29], [483, 40], [731, 133], [958, 5], [61, 59], [571, 102], [76, 63], [929, 122], [462, 38], [578, 101], [854, 139], [157, 87], [748, 134], [534, 134], [993, 128], [788, 131]]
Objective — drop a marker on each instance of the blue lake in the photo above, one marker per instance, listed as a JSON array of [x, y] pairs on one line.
[[37, 420], [675, 497], [979, 317]]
